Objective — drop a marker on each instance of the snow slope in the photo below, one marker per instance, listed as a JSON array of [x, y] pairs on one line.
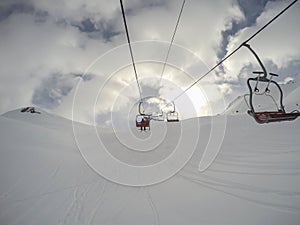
[[238, 105], [292, 100], [255, 178]]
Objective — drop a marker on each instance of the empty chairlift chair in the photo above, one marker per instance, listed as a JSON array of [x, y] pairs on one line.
[[269, 115], [172, 116]]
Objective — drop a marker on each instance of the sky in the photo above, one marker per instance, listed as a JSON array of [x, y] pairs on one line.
[[71, 55]]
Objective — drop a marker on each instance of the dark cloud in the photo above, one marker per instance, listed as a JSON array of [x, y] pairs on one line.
[[149, 89], [103, 119], [135, 7], [103, 29], [87, 26], [84, 77], [291, 69], [9, 8], [52, 90], [251, 11]]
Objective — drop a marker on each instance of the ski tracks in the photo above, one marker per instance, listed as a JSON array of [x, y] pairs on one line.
[[99, 203], [227, 188], [153, 207], [81, 201], [55, 171], [7, 194], [74, 211]]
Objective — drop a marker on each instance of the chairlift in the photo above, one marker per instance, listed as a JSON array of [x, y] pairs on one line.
[[172, 116], [267, 116], [142, 120], [157, 116]]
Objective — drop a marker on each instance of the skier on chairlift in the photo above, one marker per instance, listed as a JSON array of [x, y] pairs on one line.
[[143, 123]]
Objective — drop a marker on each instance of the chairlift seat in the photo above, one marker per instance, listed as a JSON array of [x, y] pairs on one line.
[[172, 120], [274, 116], [176, 120], [172, 117], [140, 123], [146, 123]]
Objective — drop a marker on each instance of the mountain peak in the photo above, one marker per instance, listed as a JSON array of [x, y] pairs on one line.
[[37, 116]]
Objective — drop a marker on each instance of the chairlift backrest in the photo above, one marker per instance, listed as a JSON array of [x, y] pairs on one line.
[[172, 116], [142, 121]]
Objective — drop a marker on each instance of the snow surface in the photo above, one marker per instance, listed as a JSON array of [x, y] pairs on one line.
[[255, 178]]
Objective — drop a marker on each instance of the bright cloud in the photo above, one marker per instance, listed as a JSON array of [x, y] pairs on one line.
[[48, 47]]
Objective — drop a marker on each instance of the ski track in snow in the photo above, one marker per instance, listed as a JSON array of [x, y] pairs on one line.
[[129, 200], [153, 207], [55, 171], [7, 194], [256, 173], [253, 154], [29, 209], [99, 203], [235, 185], [269, 165], [73, 214], [70, 208], [88, 199], [72, 187], [218, 187]]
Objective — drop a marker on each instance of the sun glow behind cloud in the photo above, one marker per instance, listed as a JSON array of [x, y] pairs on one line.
[[43, 45]]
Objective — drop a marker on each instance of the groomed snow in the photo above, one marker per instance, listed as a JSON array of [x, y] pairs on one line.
[[254, 180]]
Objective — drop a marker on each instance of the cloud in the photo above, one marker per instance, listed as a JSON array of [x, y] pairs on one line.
[[48, 47], [278, 42], [15, 7], [250, 11], [54, 88], [32, 51], [276, 46]]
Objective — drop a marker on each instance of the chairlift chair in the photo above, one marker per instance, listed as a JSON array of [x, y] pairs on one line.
[[267, 116], [157, 116], [142, 120], [172, 116]]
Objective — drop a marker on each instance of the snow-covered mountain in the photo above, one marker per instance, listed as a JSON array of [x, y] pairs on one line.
[[240, 105], [291, 100], [255, 178]]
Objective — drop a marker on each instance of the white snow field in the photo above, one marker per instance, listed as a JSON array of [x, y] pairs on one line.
[[254, 180]]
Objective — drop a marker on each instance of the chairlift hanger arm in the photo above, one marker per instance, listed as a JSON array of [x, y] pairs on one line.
[[258, 72], [274, 74], [258, 60], [173, 104], [262, 79], [141, 113]]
